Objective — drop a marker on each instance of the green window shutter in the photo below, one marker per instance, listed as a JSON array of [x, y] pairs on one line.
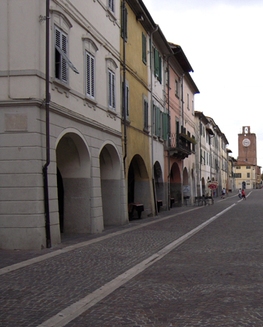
[[156, 62], [160, 70], [157, 122]]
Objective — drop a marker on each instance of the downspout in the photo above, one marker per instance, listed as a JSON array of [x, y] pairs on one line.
[[200, 158], [45, 167], [152, 127], [124, 89], [182, 131]]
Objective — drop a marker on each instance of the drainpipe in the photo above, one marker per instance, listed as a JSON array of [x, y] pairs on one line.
[[182, 104], [124, 89], [45, 167], [152, 127], [200, 158]]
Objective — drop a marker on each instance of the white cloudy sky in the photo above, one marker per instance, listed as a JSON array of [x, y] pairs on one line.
[[223, 41]]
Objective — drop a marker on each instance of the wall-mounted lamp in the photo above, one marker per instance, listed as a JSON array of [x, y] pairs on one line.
[[140, 18]]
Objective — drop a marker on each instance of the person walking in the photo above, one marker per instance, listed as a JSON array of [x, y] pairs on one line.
[[243, 194], [223, 193], [240, 193]]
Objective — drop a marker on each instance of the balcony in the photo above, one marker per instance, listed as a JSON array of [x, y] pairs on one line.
[[181, 145]]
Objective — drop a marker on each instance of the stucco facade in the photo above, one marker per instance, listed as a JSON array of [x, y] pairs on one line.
[[105, 124], [84, 129]]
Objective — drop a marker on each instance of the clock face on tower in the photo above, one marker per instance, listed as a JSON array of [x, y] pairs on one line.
[[246, 142]]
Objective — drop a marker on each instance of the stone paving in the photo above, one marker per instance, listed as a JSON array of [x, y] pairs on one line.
[[212, 279]]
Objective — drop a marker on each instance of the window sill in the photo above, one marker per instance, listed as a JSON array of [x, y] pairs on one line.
[[111, 15], [90, 101], [60, 86]]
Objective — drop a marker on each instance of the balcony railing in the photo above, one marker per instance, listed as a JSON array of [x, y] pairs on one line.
[[181, 145]]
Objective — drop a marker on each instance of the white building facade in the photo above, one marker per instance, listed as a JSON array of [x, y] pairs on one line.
[[73, 140]]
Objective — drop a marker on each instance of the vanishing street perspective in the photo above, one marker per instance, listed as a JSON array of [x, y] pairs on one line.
[[196, 266], [123, 203]]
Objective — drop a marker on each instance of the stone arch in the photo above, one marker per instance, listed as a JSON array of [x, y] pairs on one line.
[[186, 183], [111, 187], [203, 185], [73, 183], [159, 185], [139, 185], [176, 185]]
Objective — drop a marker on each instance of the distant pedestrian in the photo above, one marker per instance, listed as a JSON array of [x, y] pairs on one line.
[[240, 193], [243, 194], [223, 193]]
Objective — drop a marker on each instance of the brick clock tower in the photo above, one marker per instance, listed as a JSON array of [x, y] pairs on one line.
[[247, 147]]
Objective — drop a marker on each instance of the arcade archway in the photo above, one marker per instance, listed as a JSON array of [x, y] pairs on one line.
[[176, 185], [73, 177], [110, 172]]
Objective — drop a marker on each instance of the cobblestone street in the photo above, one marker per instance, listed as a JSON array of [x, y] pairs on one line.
[[191, 266]]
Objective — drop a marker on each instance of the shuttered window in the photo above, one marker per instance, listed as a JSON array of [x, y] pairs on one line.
[[61, 67], [157, 65], [90, 75], [124, 21], [111, 89], [144, 48], [145, 115], [111, 5], [125, 99]]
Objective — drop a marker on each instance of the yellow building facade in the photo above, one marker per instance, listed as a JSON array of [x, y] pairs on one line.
[[135, 60]]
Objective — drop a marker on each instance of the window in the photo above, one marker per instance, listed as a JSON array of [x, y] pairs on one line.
[[111, 5], [125, 105], [145, 115], [61, 49], [237, 175], [157, 65], [157, 121], [111, 89], [124, 17], [193, 145], [90, 75], [144, 48], [188, 102], [248, 175], [176, 88], [238, 167], [248, 167], [202, 130]]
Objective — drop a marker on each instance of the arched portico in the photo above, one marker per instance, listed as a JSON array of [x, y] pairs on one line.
[[158, 180], [139, 185], [176, 184], [73, 176], [186, 183], [111, 188]]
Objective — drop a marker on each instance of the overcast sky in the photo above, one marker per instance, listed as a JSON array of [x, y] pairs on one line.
[[223, 41]]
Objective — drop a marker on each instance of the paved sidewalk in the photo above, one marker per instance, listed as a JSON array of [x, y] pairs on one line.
[[10, 257]]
